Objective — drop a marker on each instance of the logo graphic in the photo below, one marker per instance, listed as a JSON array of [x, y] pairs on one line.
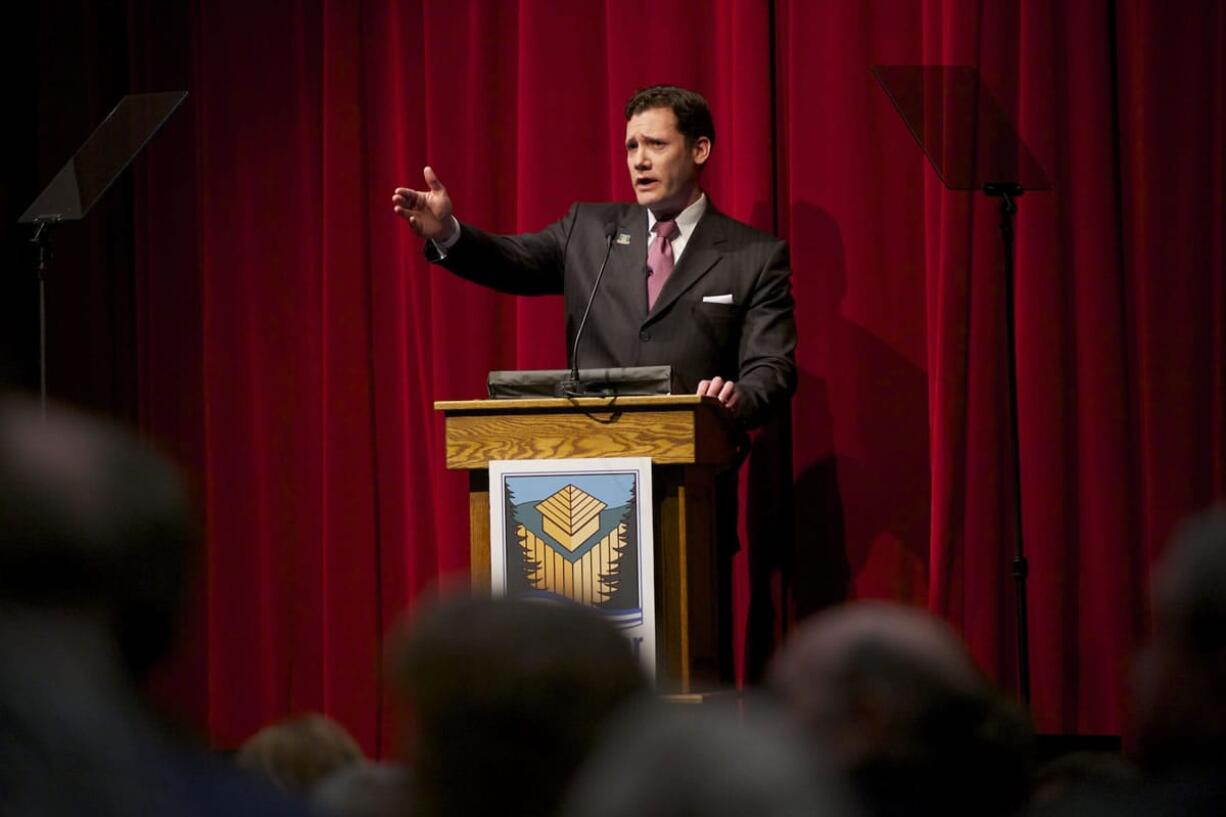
[[580, 541]]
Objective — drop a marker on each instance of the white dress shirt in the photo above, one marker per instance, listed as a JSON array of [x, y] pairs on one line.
[[686, 220]]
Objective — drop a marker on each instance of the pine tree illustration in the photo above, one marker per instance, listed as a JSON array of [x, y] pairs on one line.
[[528, 565], [516, 546], [631, 517], [613, 579], [624, 582]]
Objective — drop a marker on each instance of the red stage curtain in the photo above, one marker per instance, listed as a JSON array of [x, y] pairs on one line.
[[900, 285], [291, 337]]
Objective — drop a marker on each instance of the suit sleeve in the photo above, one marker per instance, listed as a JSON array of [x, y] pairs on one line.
[[767, 370], [525, 264]]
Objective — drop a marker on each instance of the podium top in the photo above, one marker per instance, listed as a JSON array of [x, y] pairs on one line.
[[642, 401], [672, 429]]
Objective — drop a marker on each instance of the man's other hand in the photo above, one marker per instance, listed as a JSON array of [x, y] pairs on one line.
[[722, 390], [428, 213]]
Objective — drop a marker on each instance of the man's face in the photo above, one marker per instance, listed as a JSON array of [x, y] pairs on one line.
[[663, 169]]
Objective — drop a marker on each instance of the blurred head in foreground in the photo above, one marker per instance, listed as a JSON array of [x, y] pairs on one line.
[[94, 524], [297, 753], [96, 545], [364, 790], [890, 692], [1181, 675], [504, 699], [676, 760], [1074, 775]]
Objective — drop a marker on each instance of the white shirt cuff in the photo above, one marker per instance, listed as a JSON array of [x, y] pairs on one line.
[[443, 246]]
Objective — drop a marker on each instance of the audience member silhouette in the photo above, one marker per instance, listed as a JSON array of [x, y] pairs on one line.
[[364, 790], [1070, 776], [680, 760], [1180, 695], [296, 753], [505, 698], [1181, 675], [909, 721], [97, 543]]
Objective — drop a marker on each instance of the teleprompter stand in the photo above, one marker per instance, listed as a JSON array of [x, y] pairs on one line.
[[82, 181], [972, 145]]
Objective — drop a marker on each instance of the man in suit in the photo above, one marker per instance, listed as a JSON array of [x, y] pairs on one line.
[[685, 285]]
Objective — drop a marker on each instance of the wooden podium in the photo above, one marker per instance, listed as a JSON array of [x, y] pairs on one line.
[[689, 440]]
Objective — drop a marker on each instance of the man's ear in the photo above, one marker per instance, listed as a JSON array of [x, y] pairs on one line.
[[701, 150]]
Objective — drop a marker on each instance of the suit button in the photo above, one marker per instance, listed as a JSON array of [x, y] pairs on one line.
[[644, 335]]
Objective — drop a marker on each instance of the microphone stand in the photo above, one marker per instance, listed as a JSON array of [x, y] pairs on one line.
[[573, 386]]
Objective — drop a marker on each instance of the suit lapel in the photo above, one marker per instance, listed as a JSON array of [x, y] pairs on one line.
[[702, 251], [625, 276]]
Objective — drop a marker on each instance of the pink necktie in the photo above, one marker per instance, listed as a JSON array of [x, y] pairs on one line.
[[660, 260]]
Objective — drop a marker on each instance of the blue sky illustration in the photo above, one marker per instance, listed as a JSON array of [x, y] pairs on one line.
[[613, 489]]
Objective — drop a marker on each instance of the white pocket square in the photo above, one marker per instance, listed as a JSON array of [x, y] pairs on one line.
[[717, 299]]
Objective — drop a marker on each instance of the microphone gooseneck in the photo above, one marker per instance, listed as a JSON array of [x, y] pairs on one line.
[[573, 388]]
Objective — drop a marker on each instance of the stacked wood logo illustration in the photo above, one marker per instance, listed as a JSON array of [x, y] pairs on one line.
[[576, 553]]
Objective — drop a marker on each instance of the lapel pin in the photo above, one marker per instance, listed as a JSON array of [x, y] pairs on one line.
[[623, 238]]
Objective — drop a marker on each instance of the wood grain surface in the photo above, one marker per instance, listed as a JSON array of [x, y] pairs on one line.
[[671, 429], [688, 439]]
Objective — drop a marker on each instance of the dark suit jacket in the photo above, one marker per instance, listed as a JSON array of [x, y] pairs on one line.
[[752, 340]]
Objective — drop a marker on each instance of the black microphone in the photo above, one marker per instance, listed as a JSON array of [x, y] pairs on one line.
[[573, 388]]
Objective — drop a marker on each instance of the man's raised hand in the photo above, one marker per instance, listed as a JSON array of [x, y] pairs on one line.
[[429, 212]]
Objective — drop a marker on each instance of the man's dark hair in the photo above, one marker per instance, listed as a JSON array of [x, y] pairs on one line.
[[505, 699], [690, 107]]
